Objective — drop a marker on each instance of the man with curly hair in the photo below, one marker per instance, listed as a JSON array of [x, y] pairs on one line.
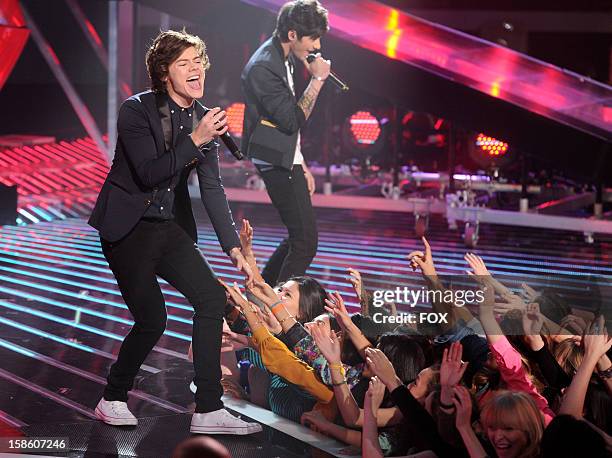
[[147, 229]]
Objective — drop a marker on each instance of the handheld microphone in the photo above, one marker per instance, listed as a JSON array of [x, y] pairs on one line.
[[231, 146], [334, 78]]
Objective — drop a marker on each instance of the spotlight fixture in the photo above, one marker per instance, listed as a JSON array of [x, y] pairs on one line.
[[235, 117]]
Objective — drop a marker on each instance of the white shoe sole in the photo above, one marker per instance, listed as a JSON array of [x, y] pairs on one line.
[[238, 431], [115, 421]]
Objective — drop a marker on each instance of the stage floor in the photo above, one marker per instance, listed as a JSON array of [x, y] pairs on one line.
[[62, 319]]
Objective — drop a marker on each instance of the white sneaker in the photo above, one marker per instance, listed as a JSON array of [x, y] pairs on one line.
[[221, 422], [193, 388], [115, 413]]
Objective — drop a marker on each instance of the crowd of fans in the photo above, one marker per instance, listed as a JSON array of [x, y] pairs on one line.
[[512, 376]]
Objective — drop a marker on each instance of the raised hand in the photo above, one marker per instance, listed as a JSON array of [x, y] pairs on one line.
[[532, 320], [513, 302], [246, 238], [451, 372], [463, 407], [596, 341], [241, 265], [452, 368], [476, 264], [269, 320], [375, 394], [327, 341], [264, 292], [529, 293], [574, 323], [355, 279], [235, 294], [422, 260], [335, 306], [381, 366]]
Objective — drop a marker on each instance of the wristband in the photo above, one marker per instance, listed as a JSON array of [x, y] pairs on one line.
[[289, 317], [276, 304], [343, 382], [318, 78], [340, 367]]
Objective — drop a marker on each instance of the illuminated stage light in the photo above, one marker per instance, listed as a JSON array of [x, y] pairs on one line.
[[364, 127], [235, 117], [491, 146]]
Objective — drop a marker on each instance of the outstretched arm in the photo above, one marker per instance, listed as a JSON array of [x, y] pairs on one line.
[[596, 343], [329, 345], [423, 261], [370, 446], [335, 306]]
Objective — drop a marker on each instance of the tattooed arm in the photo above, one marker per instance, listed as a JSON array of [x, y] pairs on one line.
[[319, 68], [309, 97]]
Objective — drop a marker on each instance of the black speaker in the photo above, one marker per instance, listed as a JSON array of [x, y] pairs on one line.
[[8, 204]]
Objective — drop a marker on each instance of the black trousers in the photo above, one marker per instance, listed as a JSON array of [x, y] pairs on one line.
[[288, 191], [163, 248]]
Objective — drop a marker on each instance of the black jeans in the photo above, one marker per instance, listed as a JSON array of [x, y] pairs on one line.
[[288, 191], [164, 249]]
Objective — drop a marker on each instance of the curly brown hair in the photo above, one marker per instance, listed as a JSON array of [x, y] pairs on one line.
[[165, 49]]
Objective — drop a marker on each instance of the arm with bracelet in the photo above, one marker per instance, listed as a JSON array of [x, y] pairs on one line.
[[268, 296], [329, 344], [276, 357]]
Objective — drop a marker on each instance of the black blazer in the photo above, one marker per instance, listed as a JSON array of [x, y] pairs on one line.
[[142, 165], [268, 96]]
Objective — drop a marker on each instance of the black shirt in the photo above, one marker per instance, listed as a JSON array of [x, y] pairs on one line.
[[162, 201]]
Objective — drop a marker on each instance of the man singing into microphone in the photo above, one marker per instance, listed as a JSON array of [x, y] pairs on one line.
[[147, 229], [272, 122]]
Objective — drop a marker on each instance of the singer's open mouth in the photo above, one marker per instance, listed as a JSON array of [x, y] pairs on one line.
[[194, 82]]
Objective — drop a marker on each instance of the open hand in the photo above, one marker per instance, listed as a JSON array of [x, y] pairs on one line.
[[335, 306], [477, 265], [355, 279], [532, 320], [246, 238], [327, 341], [596, 340], [452, 368], [380, 365], [235, 294]]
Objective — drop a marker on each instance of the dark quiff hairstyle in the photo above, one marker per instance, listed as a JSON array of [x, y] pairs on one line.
[[307, 17], [165, 49]]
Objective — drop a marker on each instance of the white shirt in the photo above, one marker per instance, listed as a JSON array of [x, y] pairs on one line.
[[298, 159]]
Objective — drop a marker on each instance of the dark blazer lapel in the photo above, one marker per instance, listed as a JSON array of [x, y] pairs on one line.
[[166, 122]]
